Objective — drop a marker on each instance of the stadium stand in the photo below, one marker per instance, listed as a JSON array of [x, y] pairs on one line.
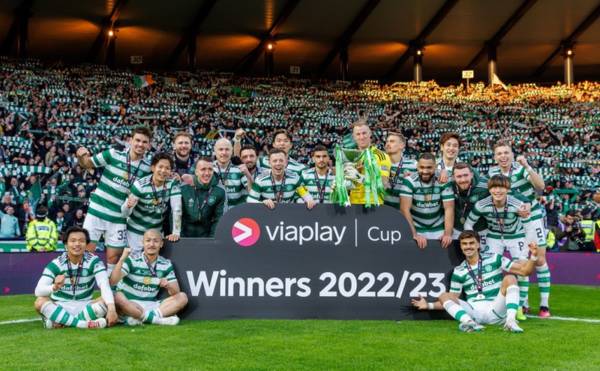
[[46, 112]]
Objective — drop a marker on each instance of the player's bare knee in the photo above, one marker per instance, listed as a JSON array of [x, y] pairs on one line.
[[508, 280], [444, 297], [39, 303], [182, 299]]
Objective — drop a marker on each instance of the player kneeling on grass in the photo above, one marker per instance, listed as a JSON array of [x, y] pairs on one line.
[[490, 297], [64, 292], [140, 277]]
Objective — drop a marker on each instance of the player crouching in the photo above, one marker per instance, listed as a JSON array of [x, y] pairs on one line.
[[490, 297], [140, 278], [68, 302]]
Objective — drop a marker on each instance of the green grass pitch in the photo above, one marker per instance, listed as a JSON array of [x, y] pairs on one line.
[[310, 344]]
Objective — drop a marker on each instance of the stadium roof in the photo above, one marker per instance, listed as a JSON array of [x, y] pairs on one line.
[[230, 35]]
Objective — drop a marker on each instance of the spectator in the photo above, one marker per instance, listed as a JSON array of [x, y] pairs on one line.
[[9, 224]]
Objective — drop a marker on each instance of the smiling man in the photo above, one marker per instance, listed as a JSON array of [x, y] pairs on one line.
[[527, 182], [121, 169], [139, 279], [278, 186], [64, 292], [490, 296], [146, 205]]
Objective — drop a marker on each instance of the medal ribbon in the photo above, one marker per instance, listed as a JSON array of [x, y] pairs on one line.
[[74, 281], [321, 190], [477, 279]]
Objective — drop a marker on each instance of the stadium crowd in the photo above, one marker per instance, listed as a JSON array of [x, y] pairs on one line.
[[47, 112], [127, 159]]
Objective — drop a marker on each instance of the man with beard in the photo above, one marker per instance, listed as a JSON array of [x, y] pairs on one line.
[[467, 191], [427, 205], [525, 181], [318, 180], [121, 169], [401, 167], [490, 297], [184, 158]]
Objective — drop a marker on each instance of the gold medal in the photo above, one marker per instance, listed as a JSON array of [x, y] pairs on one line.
[[126, 176], [462, 220], [147, 280], [428, 197], [155, 201]]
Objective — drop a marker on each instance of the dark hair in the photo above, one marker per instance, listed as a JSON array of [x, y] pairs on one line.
[[499, 180], [449, 135], [142, 130], [162, 156], [468, 234], [76, 229], [275, 151], [318, 148], [247, 147], [461, 165], [427, 156], [279, 132], [202, 158]]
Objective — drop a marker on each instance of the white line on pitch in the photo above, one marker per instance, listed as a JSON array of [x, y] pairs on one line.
[[572, 319], [19, 321]]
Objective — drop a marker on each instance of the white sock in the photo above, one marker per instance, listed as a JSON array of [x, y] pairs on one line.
[[456, 311], [512, 302]]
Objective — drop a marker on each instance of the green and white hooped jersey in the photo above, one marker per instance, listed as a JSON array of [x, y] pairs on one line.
[[80, 278], [392, 195], [511, 227], [265, 188], [309, 179], [293, 165], [113, 189], [520, 184], [492, 266], [427, 202], [232, 179], [139, 282], [149, 212]]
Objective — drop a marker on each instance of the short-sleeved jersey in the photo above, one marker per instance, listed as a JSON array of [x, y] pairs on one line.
[[113, 189], [317, 185], [266, 188], [231, 178], [149, 212], [138, 282], [492, 266], [503, 222], [520, 185], [79, 278], [427, 199], [293, 165], [398, 172], [357, 194]]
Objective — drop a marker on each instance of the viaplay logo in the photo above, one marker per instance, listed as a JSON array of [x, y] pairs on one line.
[[245, 232]]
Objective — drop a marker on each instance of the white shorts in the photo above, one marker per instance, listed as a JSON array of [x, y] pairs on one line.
[[135, 242], [432, 235], [516, 247], [115, 235], [536, 232], [73, 307], [486, 312], [147, 305]]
